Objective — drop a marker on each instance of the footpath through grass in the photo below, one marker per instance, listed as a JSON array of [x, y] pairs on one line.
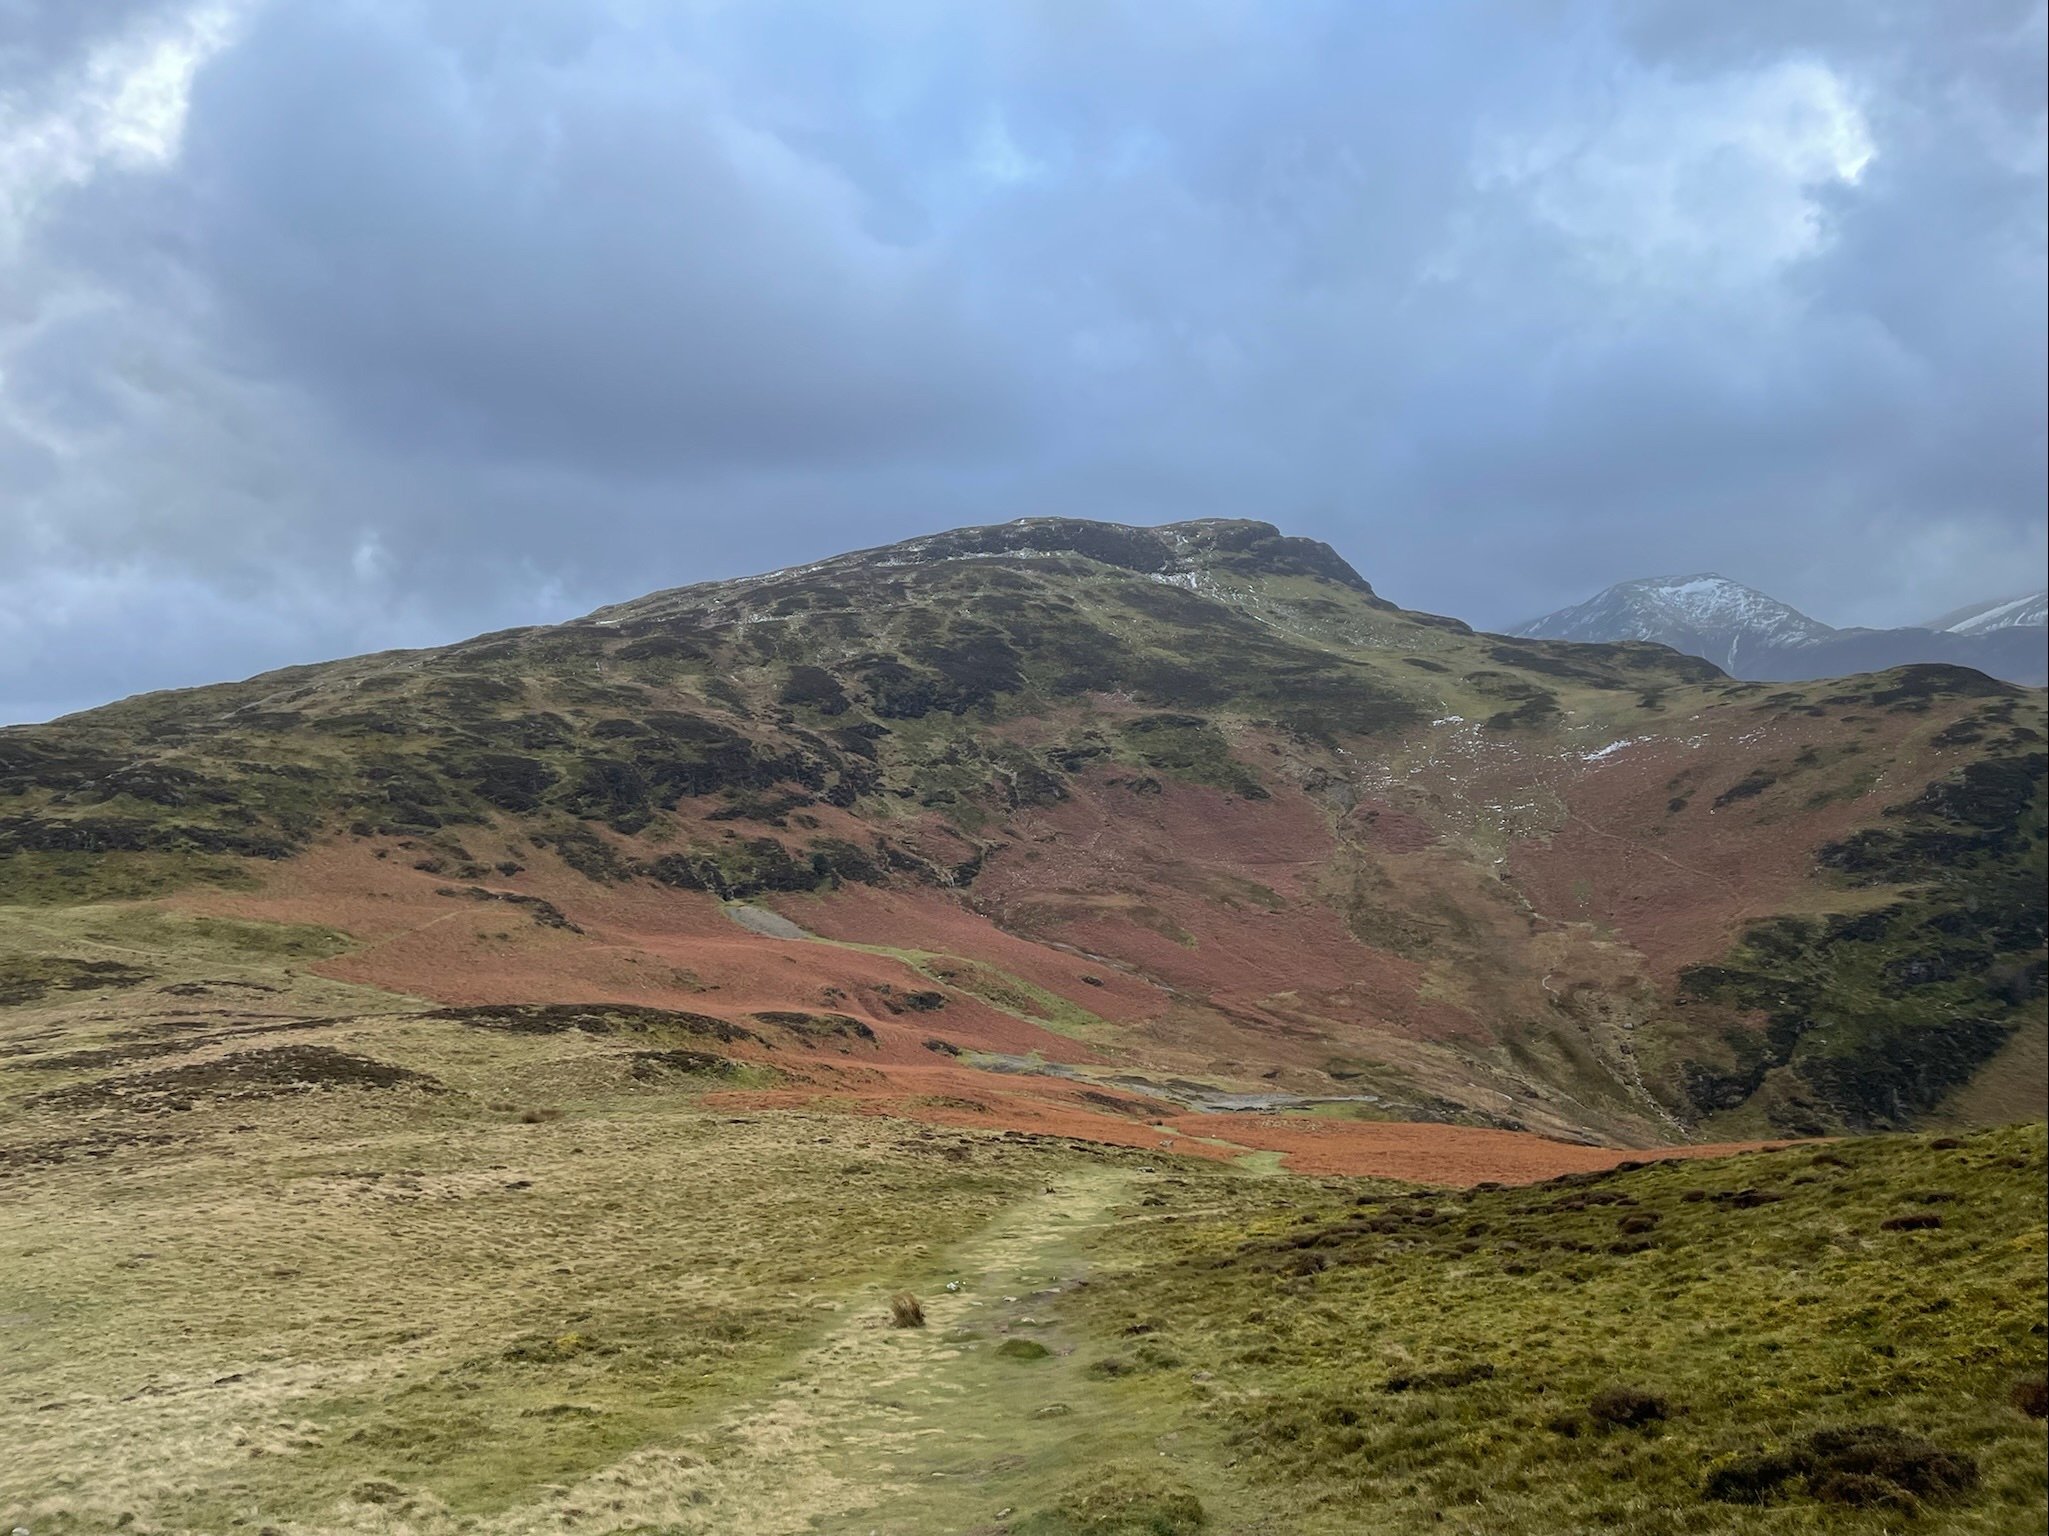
[[420, 1276]]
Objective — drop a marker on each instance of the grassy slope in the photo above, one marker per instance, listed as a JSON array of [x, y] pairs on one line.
[[1879, 1011], [544, 1277], [311, 1309], [531, 1279], [1435, 1362], [538, 1292]]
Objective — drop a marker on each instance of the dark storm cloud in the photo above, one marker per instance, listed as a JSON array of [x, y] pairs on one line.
[[425, 317], [519, 248]]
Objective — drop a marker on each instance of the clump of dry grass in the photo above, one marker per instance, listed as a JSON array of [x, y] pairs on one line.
[[905, 1311]]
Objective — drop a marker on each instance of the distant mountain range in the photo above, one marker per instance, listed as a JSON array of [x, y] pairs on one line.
[[1749, 634], [2030, 611]]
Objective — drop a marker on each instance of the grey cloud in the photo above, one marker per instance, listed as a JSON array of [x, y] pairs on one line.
[[465, 313], [591, 258], [40, 40]]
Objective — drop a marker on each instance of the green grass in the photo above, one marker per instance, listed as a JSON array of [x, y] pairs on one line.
[[220, 938], [1438, 1361], [145, 958], [414, 1299], [1126, 1500], [1014, 995], [66, 879], [997, 987], [528, 1281], [1873, 1016]]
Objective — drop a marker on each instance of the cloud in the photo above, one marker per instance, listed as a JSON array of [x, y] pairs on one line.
[[74, 105], [351, 323], [587, 256], [1692, 183]]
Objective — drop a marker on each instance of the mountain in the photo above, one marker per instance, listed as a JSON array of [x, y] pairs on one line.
[[741, 1060], [1709, 610], [1752, 635], [1188, 812], [2028, 611]]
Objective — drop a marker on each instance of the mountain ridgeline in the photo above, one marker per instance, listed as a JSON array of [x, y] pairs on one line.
[[1751, 635], [773, 688], [1349, 855]]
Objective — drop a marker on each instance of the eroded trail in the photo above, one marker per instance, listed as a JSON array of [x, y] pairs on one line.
[[900, 1432]]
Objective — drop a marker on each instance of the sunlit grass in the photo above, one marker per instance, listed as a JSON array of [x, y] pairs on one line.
[[1396, 1364]]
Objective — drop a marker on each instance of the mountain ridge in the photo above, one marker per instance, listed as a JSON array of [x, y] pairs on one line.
[[2027, 610], [1193, 548], [1751, 634]]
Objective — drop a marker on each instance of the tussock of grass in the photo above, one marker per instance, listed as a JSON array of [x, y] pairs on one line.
[[1122, 1500], [1776, 1351]]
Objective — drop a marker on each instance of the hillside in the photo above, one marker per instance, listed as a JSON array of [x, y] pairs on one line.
[[1098, 826], [518, 1087], [538, 1281], [1752, 635]]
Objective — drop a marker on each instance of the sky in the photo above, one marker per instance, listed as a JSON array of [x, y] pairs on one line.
[[336, 325]]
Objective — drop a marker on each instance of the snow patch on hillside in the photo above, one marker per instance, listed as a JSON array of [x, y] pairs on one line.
[[2028, 611], [1601, 753]]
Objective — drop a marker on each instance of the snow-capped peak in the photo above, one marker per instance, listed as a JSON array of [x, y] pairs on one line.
[[2028, 611], [1705, 607], [1749, 634]]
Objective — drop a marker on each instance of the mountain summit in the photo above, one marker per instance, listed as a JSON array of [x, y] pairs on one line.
[[1705, 614], [1751, 634]]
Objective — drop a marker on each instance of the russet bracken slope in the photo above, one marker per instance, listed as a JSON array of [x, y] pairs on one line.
[[1104, 829]]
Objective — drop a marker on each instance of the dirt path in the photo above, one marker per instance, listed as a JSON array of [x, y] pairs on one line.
[[898, 1432]]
